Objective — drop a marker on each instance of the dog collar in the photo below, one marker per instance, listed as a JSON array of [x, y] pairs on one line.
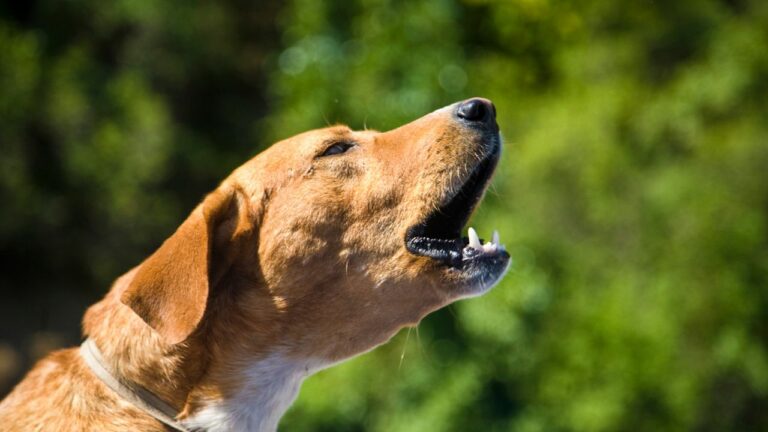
[[140, 397]]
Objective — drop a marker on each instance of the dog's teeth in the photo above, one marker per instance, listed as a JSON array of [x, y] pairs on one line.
[[495, 239], [474, 240], [490, 247]]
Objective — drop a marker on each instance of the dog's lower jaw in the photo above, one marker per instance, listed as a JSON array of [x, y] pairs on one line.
[[268, 387], [479, 276]]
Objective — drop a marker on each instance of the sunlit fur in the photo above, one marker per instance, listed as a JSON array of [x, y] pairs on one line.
[[294, 262]]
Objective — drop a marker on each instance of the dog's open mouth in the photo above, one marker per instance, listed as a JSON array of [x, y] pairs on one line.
[[439, 235]]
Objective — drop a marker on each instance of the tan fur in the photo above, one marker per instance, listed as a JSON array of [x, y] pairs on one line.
[[291, 250]]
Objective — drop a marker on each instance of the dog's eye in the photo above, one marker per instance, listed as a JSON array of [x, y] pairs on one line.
[[337, 148]]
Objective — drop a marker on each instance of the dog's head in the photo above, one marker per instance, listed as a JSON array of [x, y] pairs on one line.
[[332, 240]]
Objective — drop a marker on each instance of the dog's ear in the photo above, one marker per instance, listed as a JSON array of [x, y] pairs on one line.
[[170, 289]]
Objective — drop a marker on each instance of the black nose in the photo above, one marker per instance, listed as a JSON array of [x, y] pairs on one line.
[[477, 110]]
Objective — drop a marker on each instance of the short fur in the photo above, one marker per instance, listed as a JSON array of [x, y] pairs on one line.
[[293, 263]]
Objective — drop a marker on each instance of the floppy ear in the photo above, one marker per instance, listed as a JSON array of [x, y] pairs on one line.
[[170, 289]]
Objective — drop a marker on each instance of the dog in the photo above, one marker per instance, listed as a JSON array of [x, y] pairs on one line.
[[316, 250]]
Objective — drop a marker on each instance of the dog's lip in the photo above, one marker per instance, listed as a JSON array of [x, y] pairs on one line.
[[438, 235], [460, 251]]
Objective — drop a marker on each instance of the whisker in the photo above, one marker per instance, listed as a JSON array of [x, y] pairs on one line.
[[405, 346], [420, 344]]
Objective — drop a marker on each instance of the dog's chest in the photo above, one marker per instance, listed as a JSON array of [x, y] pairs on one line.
[[269, 387]]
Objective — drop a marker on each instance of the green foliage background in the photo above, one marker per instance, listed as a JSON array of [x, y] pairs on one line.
[[632, 194]]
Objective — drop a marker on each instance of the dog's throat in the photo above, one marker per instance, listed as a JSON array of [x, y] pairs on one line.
[[267, 388]]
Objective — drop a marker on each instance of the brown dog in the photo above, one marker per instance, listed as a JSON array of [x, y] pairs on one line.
[[316, 250]]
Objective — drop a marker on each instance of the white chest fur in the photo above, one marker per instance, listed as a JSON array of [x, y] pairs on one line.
[[270, 386]]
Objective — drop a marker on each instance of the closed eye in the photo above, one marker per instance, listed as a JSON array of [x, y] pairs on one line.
[[337, 148]]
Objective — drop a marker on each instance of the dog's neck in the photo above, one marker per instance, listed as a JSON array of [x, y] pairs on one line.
[[267, 388], [215, 387], [244, 367]]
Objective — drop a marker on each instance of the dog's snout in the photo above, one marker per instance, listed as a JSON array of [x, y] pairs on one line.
[[477, 110]]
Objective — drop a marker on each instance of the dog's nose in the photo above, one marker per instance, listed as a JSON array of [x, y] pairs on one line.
[[477, 110]]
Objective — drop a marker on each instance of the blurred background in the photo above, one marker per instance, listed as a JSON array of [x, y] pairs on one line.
[[632, 195]]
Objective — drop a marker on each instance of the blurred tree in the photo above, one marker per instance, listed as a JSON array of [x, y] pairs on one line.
[[632, 194], [115, 119]]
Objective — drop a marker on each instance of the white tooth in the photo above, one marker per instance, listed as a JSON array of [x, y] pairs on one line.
[[490, 247], [474, 240], [496, 238]]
